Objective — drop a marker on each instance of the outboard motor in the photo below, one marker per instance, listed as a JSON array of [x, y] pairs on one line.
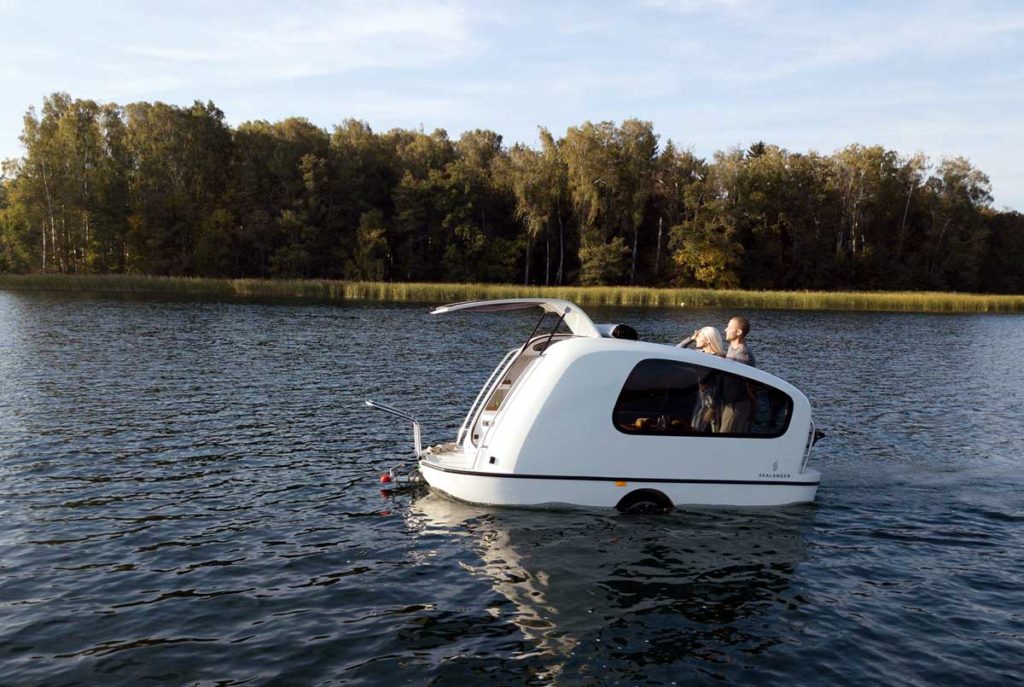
[[617, 331]]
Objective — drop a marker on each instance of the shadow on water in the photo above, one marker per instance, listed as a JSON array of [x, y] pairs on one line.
[[627, 597]]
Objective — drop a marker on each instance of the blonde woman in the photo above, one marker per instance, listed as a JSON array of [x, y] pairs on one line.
[[707, 339], [706, 415]]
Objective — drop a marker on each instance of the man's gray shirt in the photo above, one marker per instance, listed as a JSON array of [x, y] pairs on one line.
[[741, 354], [734, 388]]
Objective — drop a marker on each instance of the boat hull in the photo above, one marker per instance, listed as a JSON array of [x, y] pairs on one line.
[[505, 489]]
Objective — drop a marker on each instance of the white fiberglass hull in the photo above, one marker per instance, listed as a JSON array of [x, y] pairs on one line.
[[504, 489]]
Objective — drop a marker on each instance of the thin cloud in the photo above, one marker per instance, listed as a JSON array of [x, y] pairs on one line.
[[331, 40], [791, 42], [698, 6]]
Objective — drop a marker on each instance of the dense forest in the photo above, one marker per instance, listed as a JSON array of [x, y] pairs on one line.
[[151, 188]]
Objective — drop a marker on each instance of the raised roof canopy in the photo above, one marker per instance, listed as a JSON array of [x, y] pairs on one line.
[[577, 321]]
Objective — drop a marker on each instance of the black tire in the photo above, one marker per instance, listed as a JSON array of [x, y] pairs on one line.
[[645, 502]]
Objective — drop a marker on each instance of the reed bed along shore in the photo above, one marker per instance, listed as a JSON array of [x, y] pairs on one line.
[[329, 290]]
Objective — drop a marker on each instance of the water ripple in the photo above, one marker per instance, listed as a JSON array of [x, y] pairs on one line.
[[190, 497]]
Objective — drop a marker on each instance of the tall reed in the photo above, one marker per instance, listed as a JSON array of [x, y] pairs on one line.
[[328, 290]]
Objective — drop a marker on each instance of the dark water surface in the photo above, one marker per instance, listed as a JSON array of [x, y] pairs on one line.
[[189, 496]]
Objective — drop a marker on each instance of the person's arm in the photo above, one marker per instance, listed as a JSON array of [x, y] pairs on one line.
[[688, 340]]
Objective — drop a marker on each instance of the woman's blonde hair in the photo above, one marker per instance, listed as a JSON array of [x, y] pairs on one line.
[[713, 341]]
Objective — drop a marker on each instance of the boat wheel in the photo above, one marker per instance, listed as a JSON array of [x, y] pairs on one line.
[[645, 502]]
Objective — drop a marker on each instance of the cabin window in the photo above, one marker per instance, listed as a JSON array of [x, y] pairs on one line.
[[671, 398]]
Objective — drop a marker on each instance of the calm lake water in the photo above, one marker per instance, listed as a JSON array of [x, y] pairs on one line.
[[188, 495]]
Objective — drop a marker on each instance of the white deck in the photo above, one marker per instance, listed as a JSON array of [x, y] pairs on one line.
[[449, 456]]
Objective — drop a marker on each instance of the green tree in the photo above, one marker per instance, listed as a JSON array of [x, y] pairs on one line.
[[217, 250], [267, 178], [180, 162], [705, 248], [370, 254], [637, 155], [418, 237], [15, 242], [589, 154], [957, 234], [556, 171], [62, 150], [470, 196], [19, 236], [677, 173], [309, 244], [537, 191], [1000, 271], [604, 263]]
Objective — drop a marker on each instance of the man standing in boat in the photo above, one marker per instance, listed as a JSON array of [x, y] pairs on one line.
[[736, 334], [737, 403]]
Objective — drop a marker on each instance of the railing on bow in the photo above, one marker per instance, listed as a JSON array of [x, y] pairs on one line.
[[417, 442], [812, 438]]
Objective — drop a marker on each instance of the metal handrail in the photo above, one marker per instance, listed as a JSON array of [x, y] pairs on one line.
[[500, 369], [417, 442], [810, 445], [506, 403]]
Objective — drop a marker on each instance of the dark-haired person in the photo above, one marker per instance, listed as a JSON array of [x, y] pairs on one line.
[[737, 404], [736, 334]]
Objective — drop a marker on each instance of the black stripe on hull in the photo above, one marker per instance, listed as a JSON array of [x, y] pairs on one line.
[[642, 480]]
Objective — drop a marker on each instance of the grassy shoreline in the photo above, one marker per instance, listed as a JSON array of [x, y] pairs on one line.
[[340, 291]]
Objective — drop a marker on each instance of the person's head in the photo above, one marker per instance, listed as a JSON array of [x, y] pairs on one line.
[[737, 329], [710, 341]]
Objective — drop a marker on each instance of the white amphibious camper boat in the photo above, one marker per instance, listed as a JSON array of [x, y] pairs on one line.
[[592, 417]]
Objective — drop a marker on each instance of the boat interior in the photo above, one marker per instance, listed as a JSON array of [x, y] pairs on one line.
[[504, 378]]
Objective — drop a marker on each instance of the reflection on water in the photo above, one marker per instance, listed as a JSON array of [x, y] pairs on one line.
[[654, 590]]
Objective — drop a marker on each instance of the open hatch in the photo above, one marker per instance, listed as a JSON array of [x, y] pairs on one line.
[[517, 361], [570, 313]]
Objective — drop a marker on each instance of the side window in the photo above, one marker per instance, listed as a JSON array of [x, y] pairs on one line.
[[666, 397]]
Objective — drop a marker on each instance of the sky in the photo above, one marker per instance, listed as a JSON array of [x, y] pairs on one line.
[[941, 78]]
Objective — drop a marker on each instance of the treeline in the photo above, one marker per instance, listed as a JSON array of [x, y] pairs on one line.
[[150, 188]]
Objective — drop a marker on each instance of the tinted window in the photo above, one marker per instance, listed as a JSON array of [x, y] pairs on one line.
[[666, 397]]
